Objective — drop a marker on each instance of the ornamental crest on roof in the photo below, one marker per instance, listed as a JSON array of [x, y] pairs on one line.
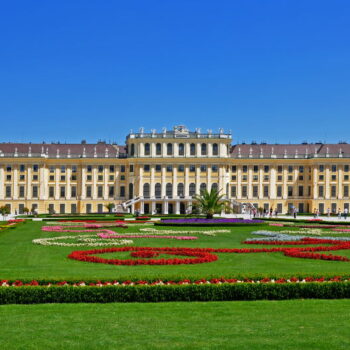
[[181, 131]]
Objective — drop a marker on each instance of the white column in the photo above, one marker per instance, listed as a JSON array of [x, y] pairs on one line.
[[250, 181], [163, 182], [153, 149], [177, 207], [327, 185], [165, 207], [209, 177], [2, 181], [198, 149], [141, 178], [94, 182], [186, 182], [273, 183], [152, 183], [175, 149], [142, 207], [285, 187], [68, 188], [187, 149], [315, 179], [44, 182], [105, 183], [164, 149], [174, 182], [239, 182], [261, 178], [83, 182], [210, 149], [340, 183], [141, 149], [57, 183], [198, 179], [153, 207], [15, 182]]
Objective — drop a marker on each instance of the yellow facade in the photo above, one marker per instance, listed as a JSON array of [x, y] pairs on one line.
[[160, 172]]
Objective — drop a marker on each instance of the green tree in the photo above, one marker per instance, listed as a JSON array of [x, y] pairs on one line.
[[110, 207], [4, 210], [26, 210], [211, 203]]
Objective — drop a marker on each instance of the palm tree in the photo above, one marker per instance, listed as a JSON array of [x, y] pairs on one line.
[[211, 203]]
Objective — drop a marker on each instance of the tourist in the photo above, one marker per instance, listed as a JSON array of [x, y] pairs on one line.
[[346, 212], [271, 211], [295, 213], [339, 213], [328, 212]]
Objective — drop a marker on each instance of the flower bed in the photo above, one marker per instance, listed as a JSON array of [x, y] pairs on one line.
[[135, 235]]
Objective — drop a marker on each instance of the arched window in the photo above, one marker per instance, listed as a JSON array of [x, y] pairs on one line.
[[203, 187], [180, 190], [147, 149], [132, 149], [158, 149], [181, 149], [169, 149], [203, 149], [214, 186], [146, 190], [131, 191], [192, 189], [169, 190], [215, 149], [158, 190], [192, 149]]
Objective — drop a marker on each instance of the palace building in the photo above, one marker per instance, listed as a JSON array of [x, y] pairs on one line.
[[162, 171]]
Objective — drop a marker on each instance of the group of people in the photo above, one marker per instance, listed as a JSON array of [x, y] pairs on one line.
[[340, 214]]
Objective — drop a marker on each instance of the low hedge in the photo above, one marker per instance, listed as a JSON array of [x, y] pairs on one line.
[[222, 292], [162, 223], [303, 221]]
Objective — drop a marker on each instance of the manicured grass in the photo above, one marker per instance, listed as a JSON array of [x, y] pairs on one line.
[[20, 259], [302, 324]]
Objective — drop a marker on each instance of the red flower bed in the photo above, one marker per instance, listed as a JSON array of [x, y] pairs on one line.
[[204, 255]]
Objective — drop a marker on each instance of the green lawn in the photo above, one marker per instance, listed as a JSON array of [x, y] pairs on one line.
[[302, 324], [20, 259]]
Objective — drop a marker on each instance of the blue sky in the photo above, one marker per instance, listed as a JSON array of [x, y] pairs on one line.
[[274, 71]]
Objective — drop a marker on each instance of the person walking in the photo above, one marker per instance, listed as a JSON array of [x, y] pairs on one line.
[[295, 213], [339, 213], [328, 212], [346, 212]]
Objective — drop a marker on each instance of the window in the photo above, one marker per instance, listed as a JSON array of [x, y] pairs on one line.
[[234, 168], [192, 149], [8, 177], [63, 178], [62, 191], [111, 177], [301, 177], [35, 192], [146, 168], [279, 169], [346, 191], [255, 191], [100, 168], [73, 191], [88, 191], [192, 189], [122, 177], [266, 191], [244, 168], [51, 192], [169, 190], [158, 149], [334, 168], [233, 191], [301, 169], [8, 192], [279, 178], [74, 169], [203, 187], [320, 191], [147, 149], [244, 191], [215, 186], [111, 191], [158, 190], [181, 149], [122, 168], [131, 168], [346, 168], [52, 169], [35, 167], [122, 191], [22, 168], [279, 191], [203, 168], [89, 168], [22, 177], [301, 191], [146, 190], [100, 178], [290, 177], [215, 149], [255, 178], [346, 177], [180, 190], [88, 177], [214, 168], [63, 169], [255, 168], [290, 191], [158, 167], [266, 177], [321, 168], [203, 149], [321, 177], [88, 208], [131, 190], [290, 168], [21, 191], [62, 208], [35, 177], [169, 168], [73, 208], [334, 177], [169, 149], [233, 177], [111, 168], [333, 191], [181, 168], [244, 178], [266, 168], [192, 168], [100, 191], [8, 168]]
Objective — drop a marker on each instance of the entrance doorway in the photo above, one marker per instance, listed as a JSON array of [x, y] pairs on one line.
[[182, 208]]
